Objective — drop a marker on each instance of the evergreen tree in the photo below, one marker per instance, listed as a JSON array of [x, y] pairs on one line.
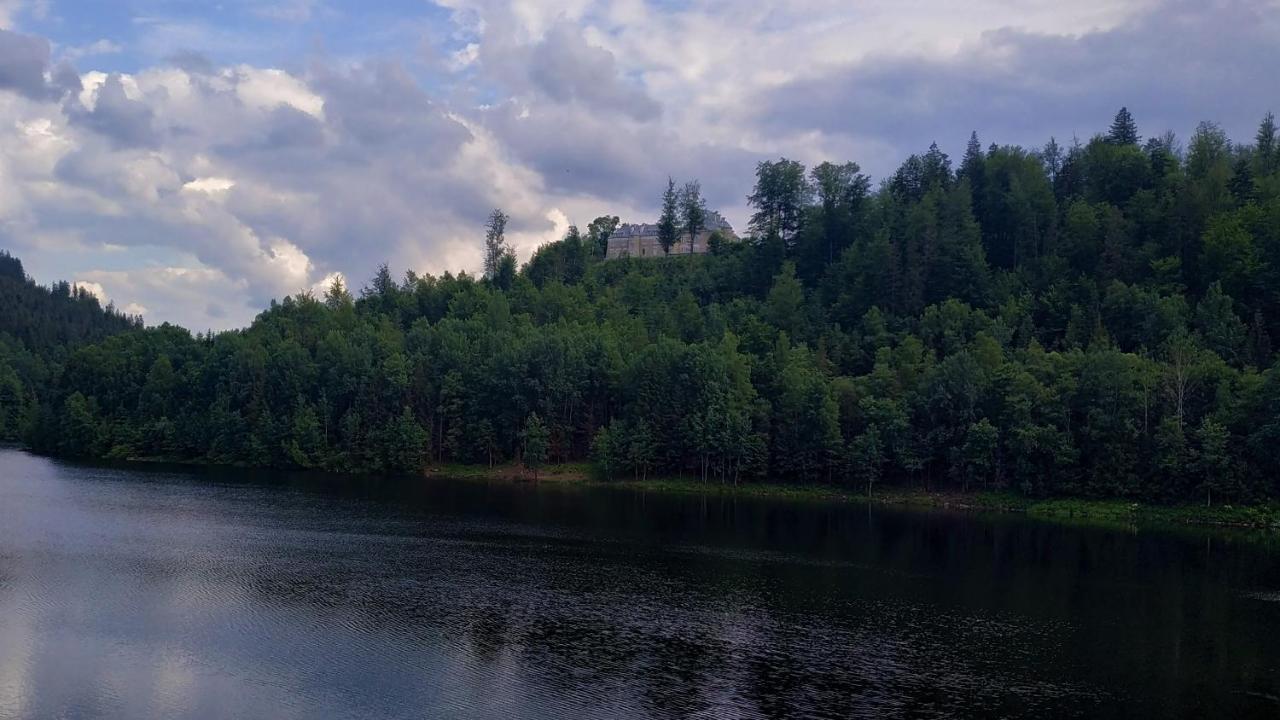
[[1267, 147], [668, 223], [1124, 131]]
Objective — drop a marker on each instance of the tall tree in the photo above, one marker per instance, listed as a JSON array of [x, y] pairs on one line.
[[495, 242], [693, 211], [781, 195], [1267, 148], [842, 192], [669, 223]]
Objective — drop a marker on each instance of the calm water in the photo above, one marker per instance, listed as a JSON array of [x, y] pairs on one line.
[[174, 594]]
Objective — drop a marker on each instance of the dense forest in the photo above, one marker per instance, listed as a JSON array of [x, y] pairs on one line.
[[39, 328], [1090, 319]]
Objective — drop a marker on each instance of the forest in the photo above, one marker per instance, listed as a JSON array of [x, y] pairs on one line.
[[1088, 319]]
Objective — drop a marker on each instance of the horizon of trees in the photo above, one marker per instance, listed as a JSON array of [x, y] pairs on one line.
[[1095, 319]]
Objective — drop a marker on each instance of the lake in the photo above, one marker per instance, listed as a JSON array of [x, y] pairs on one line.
[[176, 593]]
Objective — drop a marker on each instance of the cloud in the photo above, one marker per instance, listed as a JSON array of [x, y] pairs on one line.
[[565, 67], [201, 186], [93, 49], [156, 292], [23, 61], [125, 121], [1173, 66], [293, 11]]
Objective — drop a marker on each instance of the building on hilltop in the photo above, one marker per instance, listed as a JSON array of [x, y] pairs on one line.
[[640, 240]]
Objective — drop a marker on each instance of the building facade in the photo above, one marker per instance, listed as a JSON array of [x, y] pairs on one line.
[[640, 240]]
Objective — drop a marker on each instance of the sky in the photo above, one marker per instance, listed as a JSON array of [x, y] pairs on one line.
[[190, 160]]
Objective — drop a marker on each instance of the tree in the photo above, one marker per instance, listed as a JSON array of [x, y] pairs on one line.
[[842, 192], [976, 456], [668, 223], [1124, 131], [599, 231], [781, 195], [693, 211], [495, 247], [1212, 458], [1267, 148], [1221, 328], [867, 457], [536, 444], [406, 444], [784, 308]]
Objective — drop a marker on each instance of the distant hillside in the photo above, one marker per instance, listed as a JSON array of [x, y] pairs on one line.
[[39, 326], [42, 318], [1088, 320]]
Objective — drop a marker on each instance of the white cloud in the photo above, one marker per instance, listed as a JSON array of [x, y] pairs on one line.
[[222, 187], [95, 48]]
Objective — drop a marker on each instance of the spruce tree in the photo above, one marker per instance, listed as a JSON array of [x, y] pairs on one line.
[[971, 166], [1124, 131], [668, 226], [1268, 153]]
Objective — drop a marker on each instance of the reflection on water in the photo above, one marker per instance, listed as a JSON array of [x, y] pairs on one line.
[[179, 594]]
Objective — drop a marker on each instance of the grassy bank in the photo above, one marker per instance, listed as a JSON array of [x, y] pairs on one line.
[[560, 472], [1112, 513], [1094, 512]]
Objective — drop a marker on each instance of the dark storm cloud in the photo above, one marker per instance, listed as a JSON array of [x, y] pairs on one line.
[[23, 60], [1174, 66], [126, 122]]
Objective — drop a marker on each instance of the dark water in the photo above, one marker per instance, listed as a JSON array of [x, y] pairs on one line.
[[174, 594]]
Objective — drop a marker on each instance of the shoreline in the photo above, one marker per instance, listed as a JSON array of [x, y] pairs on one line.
[[1111, 513], [1101, 512]]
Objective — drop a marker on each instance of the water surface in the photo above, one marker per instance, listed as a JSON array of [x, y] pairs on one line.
[[155, 592]]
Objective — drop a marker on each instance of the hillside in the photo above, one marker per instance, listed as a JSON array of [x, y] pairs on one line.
[[1087, 320], [38, 328]]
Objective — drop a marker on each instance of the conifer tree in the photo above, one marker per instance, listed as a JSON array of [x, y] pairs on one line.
[[668, 224], [1124, 131], [1267, 149]]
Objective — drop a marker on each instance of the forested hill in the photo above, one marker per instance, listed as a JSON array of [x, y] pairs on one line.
[[38, 328], [1087, 319]]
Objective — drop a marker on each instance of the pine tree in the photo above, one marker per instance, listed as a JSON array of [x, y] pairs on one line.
[[668, 225], [1267, 149], [1242, 186], [1124, 131], [971, 166]]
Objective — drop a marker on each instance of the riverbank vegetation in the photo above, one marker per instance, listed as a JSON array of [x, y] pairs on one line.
[[1079, 320]]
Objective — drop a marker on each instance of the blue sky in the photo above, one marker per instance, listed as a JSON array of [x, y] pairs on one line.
[[276, 34], [192, 160]]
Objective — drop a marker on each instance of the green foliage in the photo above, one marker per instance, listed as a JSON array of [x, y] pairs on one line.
[[1091, 321], [536, 443], [669, 221]]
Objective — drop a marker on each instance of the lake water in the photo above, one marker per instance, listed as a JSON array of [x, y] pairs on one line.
[[162, 593]]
